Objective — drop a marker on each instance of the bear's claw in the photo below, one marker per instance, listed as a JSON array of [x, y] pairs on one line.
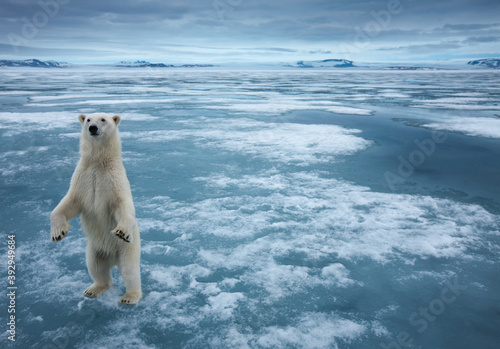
[[58, 237], [96, 290], [131, 298], [119, 233], [57, 233]]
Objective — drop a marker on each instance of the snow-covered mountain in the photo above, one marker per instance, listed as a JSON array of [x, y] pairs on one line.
[[33, 63], [146, 64], [401, 67], [326, 63], [486, 63], [143, 64]]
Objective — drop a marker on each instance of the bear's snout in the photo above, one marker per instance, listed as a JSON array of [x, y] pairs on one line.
[[94, 130]]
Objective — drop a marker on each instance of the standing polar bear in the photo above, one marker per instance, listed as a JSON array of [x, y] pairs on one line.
[[100, 193]]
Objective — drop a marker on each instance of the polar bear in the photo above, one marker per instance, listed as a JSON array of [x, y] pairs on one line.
[[100, 193]]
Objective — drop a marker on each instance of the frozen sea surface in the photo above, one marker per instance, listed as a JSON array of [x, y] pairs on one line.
[[278, 209]]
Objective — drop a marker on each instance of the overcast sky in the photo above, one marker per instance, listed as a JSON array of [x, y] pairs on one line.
[[216, 31]]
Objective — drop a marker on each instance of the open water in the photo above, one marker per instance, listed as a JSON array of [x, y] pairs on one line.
[[278, 209]]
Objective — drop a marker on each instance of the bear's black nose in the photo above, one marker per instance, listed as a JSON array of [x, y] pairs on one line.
[[94, 130]]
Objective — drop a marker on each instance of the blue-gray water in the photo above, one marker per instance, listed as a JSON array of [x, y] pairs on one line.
[[278, 209]]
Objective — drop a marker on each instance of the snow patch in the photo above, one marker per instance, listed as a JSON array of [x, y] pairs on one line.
[[471, 126]]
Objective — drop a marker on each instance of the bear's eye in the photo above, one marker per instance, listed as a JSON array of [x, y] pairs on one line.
[[103, 120], [88, 120]]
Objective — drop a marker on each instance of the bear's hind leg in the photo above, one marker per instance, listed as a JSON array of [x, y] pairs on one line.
[[129, 267], [99, 265]]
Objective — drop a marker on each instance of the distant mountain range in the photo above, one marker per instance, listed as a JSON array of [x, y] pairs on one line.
[[326, 63], [145, 64], [487, 63], [397, 67], [35, 63]]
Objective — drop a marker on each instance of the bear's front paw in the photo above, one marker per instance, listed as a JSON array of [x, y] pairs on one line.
[[122, 234], [58, 231]]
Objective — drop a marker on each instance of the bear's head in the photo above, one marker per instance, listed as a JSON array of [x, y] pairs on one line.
[[99, 125]]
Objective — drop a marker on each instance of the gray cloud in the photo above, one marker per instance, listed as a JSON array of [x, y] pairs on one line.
[[481, 39], [288, 29], [468, 27], [424, 48]]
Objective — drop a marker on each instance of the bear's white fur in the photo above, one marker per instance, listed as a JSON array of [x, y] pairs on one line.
[[100, 193]]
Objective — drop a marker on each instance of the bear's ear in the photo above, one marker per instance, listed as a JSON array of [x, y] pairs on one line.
[[82, 117], [116, 118]]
